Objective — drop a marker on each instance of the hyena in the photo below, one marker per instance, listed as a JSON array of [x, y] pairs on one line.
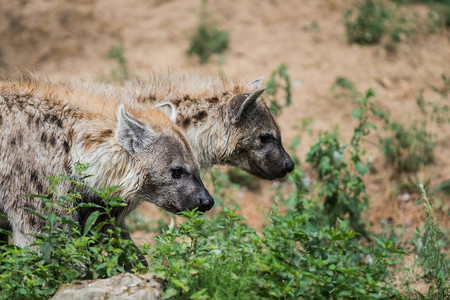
[[226, 122], [45, 129]]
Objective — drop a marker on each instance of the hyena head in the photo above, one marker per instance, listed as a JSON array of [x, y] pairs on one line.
[[256, 136], [168, 170]]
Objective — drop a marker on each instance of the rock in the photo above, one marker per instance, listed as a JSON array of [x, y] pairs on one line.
[[122, 286]]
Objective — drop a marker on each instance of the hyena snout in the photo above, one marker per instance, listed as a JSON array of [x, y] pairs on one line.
[[198, 195], [280, 163], [206, 202], [289, 164]]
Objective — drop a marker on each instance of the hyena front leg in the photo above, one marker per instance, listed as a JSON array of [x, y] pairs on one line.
[[23, 226]]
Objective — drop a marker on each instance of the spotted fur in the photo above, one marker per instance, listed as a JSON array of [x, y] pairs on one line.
[[223, 125], [46, 128]]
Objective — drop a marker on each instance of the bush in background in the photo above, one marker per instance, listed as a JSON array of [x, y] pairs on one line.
[[365, 22], [208, 38]]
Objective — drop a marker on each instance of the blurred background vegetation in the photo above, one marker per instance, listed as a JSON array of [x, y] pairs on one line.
[[361, 92]]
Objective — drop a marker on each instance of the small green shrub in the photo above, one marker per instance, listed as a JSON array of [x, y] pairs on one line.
[[365, 22], [343, 87], [369, 20], [408, 148], [279, 79], [120, 73], [432, 248], [439, 12], [294, 257], [65, 251], [208, 38], [436, 112], [341, 180], [445, 89], [316, 32]]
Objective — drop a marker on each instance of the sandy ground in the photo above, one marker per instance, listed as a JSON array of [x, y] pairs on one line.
[[70, 39]]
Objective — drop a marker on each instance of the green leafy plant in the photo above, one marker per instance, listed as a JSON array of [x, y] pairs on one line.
[[297, 256], [120, 73], [438, 14], [365, 23], [343, 87], [445, 89], [408, 148], [369, 20], [432, 246], [341, 180], [316, 32], [439, 11], [436, 112], [65, 251], [311, 247], [279, 79], [208, 38]]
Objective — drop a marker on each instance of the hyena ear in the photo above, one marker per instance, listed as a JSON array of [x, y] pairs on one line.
[[255, 84], [132, 134], [169, 109], [242, 102]]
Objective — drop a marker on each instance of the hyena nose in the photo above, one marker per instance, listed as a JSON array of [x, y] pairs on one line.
[[289, 165], [206, 202]]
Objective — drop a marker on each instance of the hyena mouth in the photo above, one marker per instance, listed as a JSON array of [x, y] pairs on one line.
[[172, 208], [258, 171]]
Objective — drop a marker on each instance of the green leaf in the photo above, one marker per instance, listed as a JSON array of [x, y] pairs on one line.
[[3, 231], [90, 221], [370, 93], [101, 266], [46, 249], [36, 213], [90, 205], [361, 168], [357, 112], [169, 293], [68, 199], [117, 204]]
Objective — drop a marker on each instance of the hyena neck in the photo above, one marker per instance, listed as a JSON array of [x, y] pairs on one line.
[[200, 103], [91, 146], [210, 137]]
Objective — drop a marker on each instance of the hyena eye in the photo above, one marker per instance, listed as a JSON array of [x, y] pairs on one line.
[[265, 138], [177, 172]]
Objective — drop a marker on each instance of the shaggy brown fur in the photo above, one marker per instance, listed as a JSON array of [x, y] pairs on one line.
[[45, 129], [226, 122]]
